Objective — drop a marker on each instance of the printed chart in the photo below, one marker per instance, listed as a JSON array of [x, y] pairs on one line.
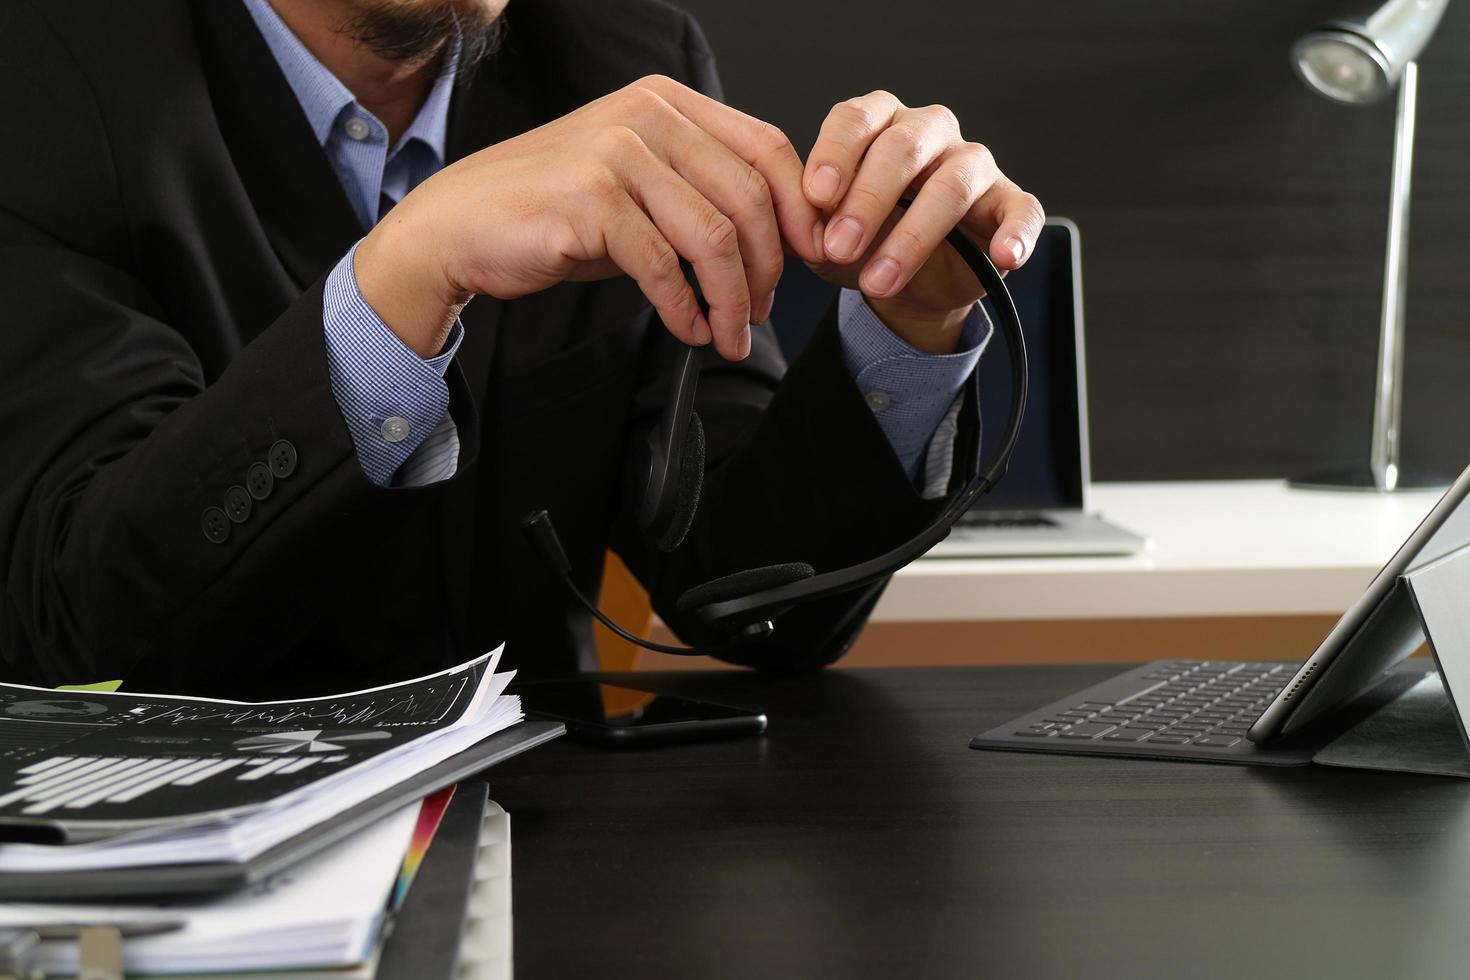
[[117, 759]]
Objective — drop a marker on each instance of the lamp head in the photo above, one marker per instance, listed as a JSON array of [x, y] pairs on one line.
[[1359, 60]]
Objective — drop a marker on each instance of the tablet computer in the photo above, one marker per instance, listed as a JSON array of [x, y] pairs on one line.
[[1380, 629]]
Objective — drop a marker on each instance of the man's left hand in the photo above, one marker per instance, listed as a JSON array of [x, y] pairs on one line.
[[871, 152]]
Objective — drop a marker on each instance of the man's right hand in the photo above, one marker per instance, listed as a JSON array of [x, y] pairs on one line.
[[631, 183]]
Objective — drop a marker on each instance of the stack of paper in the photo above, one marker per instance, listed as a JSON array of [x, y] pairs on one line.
[[325, 912], [140, 780]]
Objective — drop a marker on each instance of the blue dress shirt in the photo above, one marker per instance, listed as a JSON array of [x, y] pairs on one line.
[[396, 403]]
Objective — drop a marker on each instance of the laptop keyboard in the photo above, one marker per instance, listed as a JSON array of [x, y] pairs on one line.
[[992, 519], [1202, 703], [1169, 709]]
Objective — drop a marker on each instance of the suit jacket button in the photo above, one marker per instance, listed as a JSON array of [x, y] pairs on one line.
[[259, 481], [237, 504], [216, 525], [282, 458]]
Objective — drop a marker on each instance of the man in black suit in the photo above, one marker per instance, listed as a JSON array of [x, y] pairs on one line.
[[252, 451]]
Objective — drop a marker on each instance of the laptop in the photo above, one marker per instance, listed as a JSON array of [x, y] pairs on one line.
[[1041, 507], [1324, 709]]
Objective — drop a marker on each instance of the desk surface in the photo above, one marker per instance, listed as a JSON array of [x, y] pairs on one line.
[[862, 838], [1224, 548]]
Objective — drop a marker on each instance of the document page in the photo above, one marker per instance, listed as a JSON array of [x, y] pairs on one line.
[[88, 764]]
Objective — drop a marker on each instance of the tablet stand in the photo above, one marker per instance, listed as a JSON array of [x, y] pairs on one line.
[[1440, 592], [1424, 729]]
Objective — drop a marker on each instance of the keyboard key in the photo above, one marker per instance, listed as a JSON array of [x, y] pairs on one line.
[[1217, 741], [1170, 739], [1189, 726], [1116, 717], [1033, 732], [983, 519], [1086, 731], [1093, 706]]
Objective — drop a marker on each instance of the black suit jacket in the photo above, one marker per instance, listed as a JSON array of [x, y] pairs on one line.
[[166, 218]]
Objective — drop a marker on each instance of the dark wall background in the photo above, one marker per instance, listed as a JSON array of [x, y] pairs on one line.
[[1232, 222]]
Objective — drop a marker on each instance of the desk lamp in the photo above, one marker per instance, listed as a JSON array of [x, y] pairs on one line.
[[1357, 62]]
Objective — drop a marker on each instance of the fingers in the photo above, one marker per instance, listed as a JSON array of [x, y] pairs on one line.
[[696, 230], [737, 189], [1012, 219], [640, 250], [874, 150], [915, 139], [762, 146], [846, 134], [952, 188]]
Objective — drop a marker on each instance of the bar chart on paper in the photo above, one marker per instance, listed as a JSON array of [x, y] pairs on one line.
[[78, 782], [120, 759]]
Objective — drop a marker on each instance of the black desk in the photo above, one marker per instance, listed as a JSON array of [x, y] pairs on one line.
[[862, 838]]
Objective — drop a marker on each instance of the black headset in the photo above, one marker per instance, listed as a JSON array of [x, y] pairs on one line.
[[667, 471]]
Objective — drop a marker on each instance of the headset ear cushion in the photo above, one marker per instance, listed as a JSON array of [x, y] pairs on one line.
[[691, 481], [744, 583]]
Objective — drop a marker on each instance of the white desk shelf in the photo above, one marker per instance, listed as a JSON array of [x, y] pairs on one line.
[[1226, 548]]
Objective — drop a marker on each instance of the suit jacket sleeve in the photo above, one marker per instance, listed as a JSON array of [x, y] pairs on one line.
[[799, 470]]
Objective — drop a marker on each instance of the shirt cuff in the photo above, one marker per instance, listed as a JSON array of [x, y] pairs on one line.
[[909, 391], [390, 397]]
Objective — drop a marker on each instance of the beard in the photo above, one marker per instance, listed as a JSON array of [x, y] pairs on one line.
[[410, 32]]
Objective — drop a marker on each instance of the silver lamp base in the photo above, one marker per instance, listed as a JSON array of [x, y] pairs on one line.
[[1360, 478]]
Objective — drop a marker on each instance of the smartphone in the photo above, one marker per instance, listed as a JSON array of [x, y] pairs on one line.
[[629, 718]]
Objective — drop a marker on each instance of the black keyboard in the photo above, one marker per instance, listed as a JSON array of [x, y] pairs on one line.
[[984, 519], [1170, 709]]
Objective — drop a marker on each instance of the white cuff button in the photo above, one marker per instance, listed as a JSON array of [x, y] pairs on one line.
[[878, 400], [394, 429]]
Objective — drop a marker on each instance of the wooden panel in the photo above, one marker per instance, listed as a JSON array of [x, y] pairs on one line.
[[625, 603], [1062, 642], [1233, 223]]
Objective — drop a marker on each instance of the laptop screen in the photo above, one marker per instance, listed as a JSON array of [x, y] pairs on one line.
[[1046, 470]]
